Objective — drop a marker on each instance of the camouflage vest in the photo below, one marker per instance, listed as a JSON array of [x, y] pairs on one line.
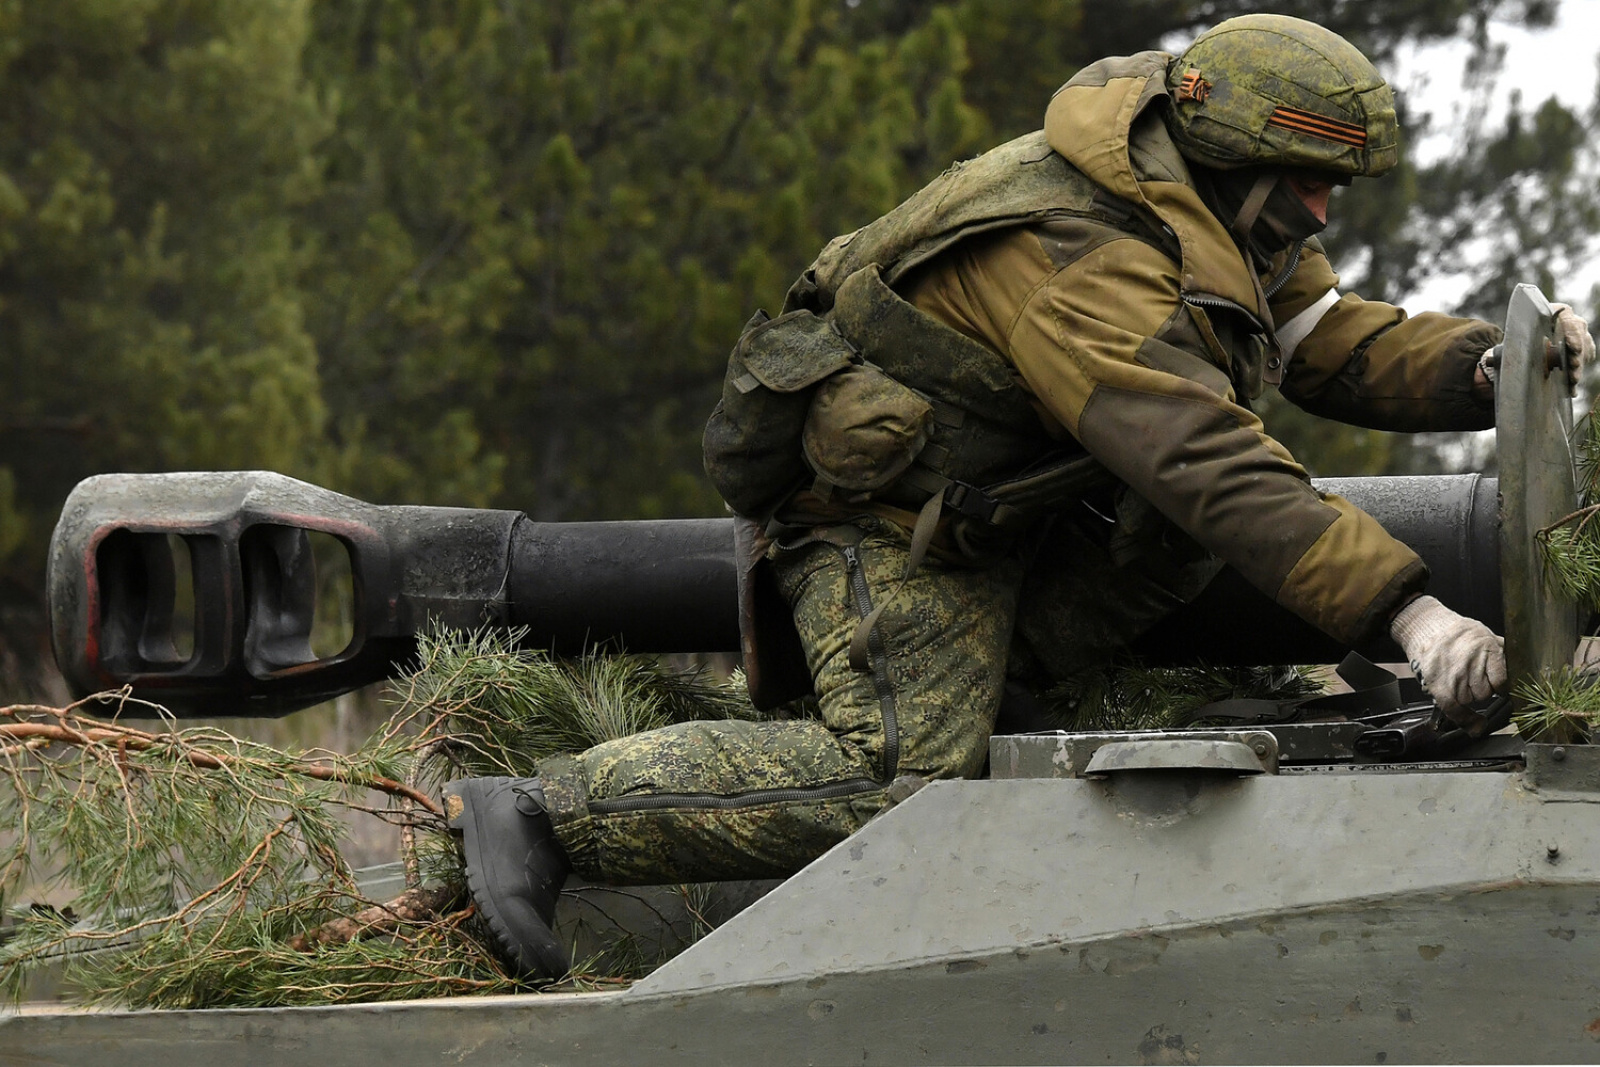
[[856, 389]]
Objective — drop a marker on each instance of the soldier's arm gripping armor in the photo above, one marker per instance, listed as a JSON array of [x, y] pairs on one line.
[[1369, 364]]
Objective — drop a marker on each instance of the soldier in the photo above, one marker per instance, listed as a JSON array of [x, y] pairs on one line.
[[1002, 430]]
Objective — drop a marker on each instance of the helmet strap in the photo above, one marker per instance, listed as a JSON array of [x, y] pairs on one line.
[[1254, 201]]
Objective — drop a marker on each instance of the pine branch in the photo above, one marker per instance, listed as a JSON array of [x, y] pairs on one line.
[[207, 866], [1569, 551], [1561, 707], [413, 906], [93, 732]]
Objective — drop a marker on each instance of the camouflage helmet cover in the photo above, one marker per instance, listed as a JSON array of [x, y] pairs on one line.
[[1271, 90]]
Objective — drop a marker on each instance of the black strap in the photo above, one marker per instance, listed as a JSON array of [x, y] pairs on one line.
[[1373, 691], [1009, 504], [1052, 481]]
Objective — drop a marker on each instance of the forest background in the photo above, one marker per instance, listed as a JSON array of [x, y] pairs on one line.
[[492, 253]]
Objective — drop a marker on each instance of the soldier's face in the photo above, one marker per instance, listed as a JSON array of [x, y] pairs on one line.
[[1313, 193]]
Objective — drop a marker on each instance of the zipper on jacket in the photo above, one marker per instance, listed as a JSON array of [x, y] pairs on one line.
[[1289, 268], [1206, 300]]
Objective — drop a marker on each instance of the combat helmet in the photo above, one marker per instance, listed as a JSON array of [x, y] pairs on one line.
[[1276, 91]]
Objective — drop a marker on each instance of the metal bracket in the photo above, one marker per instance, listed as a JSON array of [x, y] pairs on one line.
[[1186, 755], [1564, 772], [1538, 483], [1068, 755]]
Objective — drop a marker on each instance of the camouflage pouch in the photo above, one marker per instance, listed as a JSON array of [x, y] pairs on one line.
[[752, 441], [863, 430]]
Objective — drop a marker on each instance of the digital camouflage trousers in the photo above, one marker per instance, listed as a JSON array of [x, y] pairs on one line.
[[717, 800], [705, 801]]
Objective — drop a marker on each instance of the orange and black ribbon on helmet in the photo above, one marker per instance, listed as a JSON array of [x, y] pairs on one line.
[[1193, 87], [1314, 125]]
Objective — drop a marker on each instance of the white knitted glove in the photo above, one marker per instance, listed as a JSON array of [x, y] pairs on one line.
[[1459, 660], [1575, 332]]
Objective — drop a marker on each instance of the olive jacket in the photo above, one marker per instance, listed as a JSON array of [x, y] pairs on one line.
[[1145, 338]]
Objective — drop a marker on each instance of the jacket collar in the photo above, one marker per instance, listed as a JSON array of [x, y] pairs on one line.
[[1089, 122]]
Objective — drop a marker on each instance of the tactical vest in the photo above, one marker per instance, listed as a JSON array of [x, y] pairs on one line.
[[858, 392]]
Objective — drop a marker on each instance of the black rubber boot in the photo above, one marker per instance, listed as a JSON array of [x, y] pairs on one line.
[[515, 867]]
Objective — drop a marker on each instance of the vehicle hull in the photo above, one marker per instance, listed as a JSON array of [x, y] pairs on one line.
[[1347, 915]]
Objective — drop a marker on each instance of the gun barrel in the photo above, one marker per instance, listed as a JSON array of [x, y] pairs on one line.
[[662, 586], [647, 586]]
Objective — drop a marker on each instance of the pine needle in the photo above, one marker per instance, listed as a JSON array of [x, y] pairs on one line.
[[1131, 696], [1560, 707], [1588, 464], [199, 860], [196, 857], [1563, 706], [1570, 553]]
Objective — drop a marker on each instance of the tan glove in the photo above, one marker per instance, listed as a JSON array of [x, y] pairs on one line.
[[1459, 660], [1571, 329]]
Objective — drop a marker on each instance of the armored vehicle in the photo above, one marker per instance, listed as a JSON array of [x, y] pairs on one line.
[[1364, 888]]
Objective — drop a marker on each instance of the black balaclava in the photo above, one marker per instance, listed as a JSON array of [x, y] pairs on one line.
[[1258, 207]]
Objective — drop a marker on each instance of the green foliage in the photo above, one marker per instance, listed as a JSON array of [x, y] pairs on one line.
[[194, 857], [505, 708], [1561, 707], [493, 253], [1131, 696], [249, 966], [547, 222], [1569, 548], [189, 851], [1571, 556], [1516, 205]]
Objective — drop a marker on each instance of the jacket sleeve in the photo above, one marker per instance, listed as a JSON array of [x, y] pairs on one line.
[[1369, 363], [1102, 342]]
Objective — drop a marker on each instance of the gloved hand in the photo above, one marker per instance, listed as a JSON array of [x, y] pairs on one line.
[[1459, 660], [1571, 328]]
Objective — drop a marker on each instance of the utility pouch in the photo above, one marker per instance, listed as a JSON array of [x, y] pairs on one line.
[[863, 431], [752, 441]]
